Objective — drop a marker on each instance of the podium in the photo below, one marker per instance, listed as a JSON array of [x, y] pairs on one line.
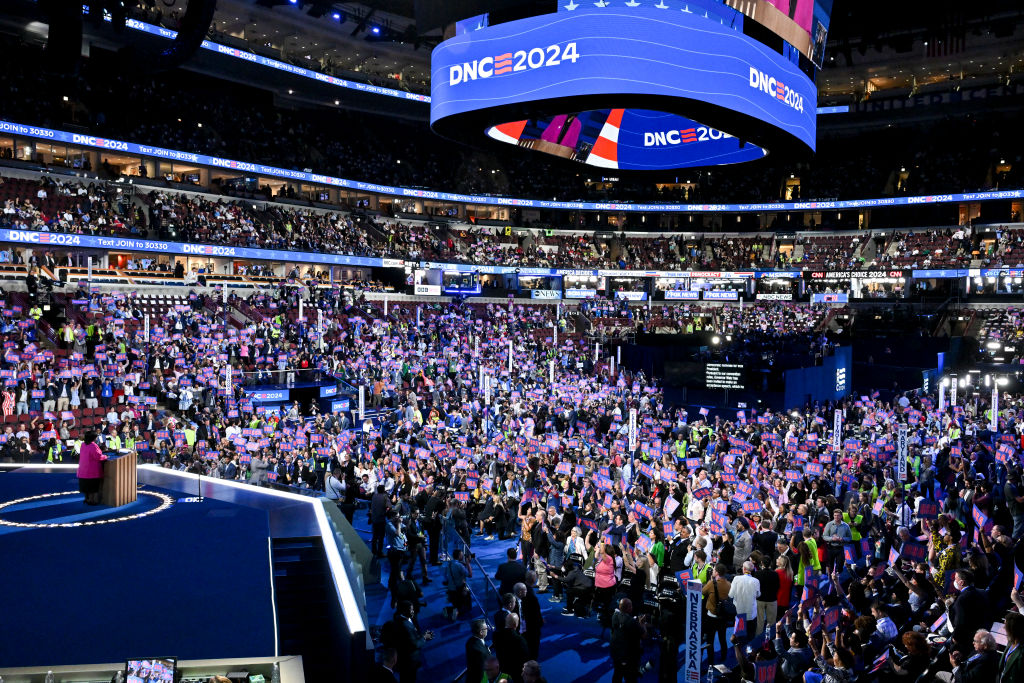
[[119, 480]]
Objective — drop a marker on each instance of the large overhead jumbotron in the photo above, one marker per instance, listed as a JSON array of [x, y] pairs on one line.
[[627, 85]]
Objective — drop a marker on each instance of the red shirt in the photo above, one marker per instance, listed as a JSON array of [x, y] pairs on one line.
[[785, 589]]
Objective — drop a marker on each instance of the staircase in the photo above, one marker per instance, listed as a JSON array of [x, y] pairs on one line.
[[773, 250], [249, 313], [868, 250], [580, 323], [302, 588], [216, 306]]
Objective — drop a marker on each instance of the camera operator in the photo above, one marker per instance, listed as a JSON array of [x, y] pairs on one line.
[[626, 643], [417, 539]]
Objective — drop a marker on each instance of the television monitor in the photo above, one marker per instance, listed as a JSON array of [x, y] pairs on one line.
[[151, 670]]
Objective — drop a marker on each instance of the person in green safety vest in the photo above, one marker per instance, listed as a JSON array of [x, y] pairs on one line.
[[681, 449], [113, 441], [854, 519], [54, 451], [701, 568]]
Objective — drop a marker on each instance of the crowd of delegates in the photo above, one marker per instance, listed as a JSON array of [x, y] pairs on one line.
[[192, 113], [779, 527], [824, 549]]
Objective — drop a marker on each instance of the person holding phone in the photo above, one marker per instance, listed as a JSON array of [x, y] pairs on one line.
[[836, 664]]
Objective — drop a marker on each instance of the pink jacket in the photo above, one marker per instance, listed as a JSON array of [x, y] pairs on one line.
[[90, 462], [604, 573]]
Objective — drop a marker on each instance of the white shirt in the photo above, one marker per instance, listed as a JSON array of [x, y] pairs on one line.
[[695, 510], [744, 593]]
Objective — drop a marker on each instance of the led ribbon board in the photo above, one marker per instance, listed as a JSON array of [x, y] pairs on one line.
[[631, 89]]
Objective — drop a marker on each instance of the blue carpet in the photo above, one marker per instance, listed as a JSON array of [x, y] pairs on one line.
[[571, 650], [192, 581]]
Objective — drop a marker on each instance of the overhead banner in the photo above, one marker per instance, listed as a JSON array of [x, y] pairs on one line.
[[70, 241], [293, 69], [263, 170]]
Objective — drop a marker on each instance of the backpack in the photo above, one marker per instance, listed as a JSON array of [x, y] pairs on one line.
[[726, 607]]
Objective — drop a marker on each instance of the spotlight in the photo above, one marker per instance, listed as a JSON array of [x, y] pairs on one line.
[[375, 30], [716, 340], [336, 16], [294, 2]]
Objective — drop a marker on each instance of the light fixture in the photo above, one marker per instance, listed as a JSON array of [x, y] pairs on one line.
[[716, 340]]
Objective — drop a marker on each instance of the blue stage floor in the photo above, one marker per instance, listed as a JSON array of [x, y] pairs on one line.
[[191, 580]]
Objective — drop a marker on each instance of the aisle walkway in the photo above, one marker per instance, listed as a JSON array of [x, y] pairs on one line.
[[572, 650]]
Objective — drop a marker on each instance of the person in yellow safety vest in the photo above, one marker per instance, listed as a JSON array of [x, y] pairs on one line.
[[54, 451], [35, 312], [680, 449], [701, 568], [854, 520]]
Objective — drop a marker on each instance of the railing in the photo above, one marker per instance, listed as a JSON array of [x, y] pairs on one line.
[[488, 585], [248, 311]]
